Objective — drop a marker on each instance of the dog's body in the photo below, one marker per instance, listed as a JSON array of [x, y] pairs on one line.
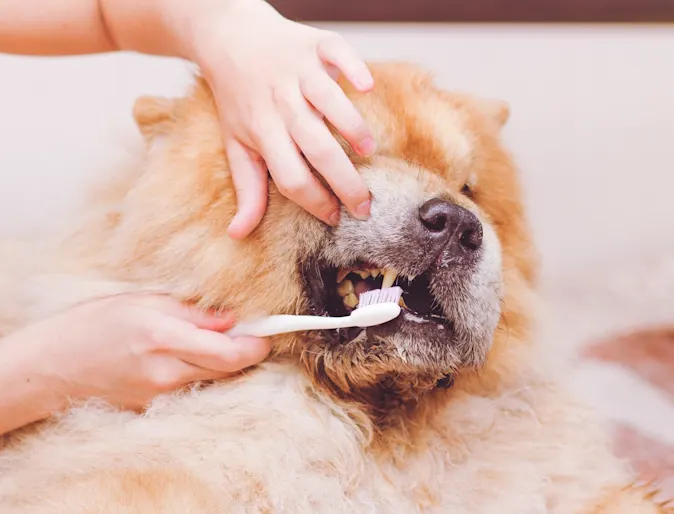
[[448, 409]]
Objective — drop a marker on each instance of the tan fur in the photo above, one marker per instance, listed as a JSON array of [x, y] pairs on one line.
[[301, 433]]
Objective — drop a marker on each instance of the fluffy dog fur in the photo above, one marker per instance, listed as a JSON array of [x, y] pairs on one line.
[[409, 417]]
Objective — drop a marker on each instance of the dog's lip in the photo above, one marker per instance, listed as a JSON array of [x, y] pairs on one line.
[[407, 319], [406, 315]]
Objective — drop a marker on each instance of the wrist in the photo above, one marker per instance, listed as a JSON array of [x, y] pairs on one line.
[[150, 27], [212, 31], [29, 392]]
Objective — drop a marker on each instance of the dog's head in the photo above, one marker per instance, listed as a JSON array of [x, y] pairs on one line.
[[446, 222]]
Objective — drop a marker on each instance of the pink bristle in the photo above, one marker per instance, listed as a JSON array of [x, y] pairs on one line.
[[386, 295]]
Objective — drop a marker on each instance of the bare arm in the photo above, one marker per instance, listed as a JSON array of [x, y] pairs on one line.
[[70, 27], [27, 395], [53, 27]]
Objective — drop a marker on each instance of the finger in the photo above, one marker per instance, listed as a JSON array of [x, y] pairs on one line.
[[337, 52], [324, 152], [170, 373], [249, 175], [217, 352], [193, 314], [192, 373], [292, 176], [208, 320], [328, 98], [333, 72]]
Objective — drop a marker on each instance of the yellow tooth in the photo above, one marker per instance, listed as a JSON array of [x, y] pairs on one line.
[[341, 275], [402, 303], [389, 278], [351, 300], [375, 273], [363, 274], [345, 288]]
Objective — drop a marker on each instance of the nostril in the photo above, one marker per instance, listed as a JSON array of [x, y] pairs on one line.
[[434, 215], [471, 239], [435, 223]]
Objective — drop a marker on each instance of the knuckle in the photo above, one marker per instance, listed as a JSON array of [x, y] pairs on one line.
[[321, 152], [280, 97], [353, 127], [358, 124], [157, 340], [230, 362], [292, 186], [332, 39], [258, 120], [286, 99], [354, 194], [257, 126], [316, 89], [163, 379]]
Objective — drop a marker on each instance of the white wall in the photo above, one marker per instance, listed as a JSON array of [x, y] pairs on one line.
[[592, 123]]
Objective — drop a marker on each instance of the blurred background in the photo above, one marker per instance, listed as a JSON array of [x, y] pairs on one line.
[[591, 89]]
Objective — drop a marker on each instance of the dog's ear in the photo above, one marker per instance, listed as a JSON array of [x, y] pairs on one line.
[[497, 111], [153, 115]]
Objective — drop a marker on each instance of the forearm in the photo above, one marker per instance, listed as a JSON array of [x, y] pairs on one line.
[[70, 27], [25, 395], [53, 27]]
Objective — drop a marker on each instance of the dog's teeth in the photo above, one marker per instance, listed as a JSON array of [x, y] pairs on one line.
[[389, 278], [402, 303], [374, 272], [363, 274], [351, 300], [345, 288], [341, 275]]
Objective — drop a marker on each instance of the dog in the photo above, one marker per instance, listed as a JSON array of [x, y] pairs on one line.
[[449, 408]]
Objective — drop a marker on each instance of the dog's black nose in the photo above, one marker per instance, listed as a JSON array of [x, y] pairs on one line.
[[451, 225]]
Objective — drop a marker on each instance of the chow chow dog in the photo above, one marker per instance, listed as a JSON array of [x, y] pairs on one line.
[[450, 408]]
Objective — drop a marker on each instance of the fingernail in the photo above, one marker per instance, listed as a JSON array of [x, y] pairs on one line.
[[363, 210], [367, 146], [333, 219]]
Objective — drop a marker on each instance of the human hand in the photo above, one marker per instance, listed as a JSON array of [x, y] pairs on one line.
[[128, 349], [273, 82]]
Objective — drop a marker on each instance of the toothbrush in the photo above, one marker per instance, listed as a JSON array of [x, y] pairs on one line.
[[374, 308]]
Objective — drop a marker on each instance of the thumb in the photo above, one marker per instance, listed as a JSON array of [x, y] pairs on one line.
[[210, 320], [202, 318]]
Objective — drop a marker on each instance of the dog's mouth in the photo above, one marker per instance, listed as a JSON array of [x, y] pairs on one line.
[[342, 288]]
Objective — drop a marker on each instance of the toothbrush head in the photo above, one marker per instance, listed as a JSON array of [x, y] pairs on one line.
[[384, 295], [377, 307], [375, 314]]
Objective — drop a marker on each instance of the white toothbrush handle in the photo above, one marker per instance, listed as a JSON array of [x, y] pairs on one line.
[[284, 323]]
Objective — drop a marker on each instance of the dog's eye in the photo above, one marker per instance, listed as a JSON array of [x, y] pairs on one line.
[[467, 191]]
